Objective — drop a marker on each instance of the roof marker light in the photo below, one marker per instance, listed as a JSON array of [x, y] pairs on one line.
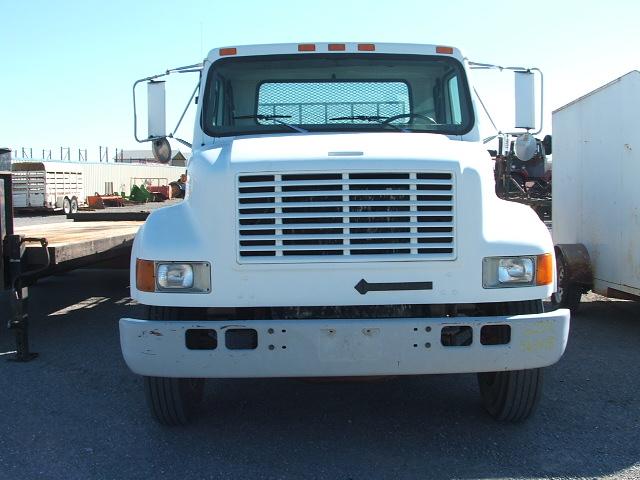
[[444, 50], [228, 51], [366, 47], [337, 47], [306, 47]]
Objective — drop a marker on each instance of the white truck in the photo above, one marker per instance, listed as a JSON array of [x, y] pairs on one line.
[[340, 220], [596, 199]]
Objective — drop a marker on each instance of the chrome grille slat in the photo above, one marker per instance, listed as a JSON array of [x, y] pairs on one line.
[[382, 203], [341, 236], [359, 246], [319, 226], [301, 183], [255, 216], [345, 216], [340, 193]]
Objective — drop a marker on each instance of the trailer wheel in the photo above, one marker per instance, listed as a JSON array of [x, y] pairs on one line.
[[66, 206], [512, 396], [567, 294], [173, 401], [74, 205]]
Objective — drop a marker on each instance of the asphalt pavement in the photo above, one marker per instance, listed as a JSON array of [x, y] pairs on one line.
[[77, 412]]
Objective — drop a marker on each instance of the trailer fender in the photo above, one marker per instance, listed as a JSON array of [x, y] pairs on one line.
[[577, 263]]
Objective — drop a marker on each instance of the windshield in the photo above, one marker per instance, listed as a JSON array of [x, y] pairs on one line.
[[337, 93]]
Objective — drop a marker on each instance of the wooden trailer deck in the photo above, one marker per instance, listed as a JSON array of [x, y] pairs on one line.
[[73, 244]]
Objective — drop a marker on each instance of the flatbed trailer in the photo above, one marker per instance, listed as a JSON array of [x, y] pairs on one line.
[[30, 252], [73, 245], [45, 249]]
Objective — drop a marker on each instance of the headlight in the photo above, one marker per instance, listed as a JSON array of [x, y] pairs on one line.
[[499, 272], [178, 277], [175, 275], [515, 270]]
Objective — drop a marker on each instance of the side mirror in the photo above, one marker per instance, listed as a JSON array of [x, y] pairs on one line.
[[546, 143], [156, 110], [157, 118], [525, 100]]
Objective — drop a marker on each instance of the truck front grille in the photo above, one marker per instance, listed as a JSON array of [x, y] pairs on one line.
[[338, 217]]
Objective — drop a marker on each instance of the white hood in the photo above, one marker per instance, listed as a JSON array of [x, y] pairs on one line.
[[352, 146]]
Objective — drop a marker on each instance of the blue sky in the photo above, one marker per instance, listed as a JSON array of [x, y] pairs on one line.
[[68, 66]]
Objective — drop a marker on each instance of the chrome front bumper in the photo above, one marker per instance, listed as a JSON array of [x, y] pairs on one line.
[[344, 347]]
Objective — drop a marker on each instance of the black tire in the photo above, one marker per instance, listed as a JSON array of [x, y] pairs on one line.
[[172, 401], [66, 206], [512, 396], [568, 294], [74, 205]]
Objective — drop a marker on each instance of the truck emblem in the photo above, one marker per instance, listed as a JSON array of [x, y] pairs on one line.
[[363, 286]]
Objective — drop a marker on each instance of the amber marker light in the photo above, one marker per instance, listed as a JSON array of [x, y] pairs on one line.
[[228, 51], [366, 47], [544, 269], [337, 47], [444, 50], [306, 47], [145, 275]]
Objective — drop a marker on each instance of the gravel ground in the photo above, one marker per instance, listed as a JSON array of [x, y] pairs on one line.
[[77, 412]]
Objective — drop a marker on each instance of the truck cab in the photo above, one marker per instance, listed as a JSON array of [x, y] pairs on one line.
[[340, 220]]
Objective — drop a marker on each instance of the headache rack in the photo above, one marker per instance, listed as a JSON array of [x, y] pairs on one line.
[[345, 216]]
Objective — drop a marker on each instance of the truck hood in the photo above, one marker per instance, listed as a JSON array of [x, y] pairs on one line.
[[357, 147]]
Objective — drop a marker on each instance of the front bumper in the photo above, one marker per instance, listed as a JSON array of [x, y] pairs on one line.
[[325, 348]]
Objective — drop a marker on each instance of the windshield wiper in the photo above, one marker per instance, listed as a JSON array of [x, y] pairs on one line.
[[371, 118], [275, 118]]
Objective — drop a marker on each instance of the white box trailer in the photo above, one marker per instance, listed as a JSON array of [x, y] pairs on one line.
[[47, 185], [65, 185], [596, 198]]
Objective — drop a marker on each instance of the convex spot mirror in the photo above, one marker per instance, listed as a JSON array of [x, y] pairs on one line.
[[526, 147], [161, 150]]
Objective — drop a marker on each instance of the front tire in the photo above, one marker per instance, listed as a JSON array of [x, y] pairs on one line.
[[567, 294], [512, 396], [173, 401]]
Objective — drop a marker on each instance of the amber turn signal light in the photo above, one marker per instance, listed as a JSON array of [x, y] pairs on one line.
[[544, 269], [145, 275]]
